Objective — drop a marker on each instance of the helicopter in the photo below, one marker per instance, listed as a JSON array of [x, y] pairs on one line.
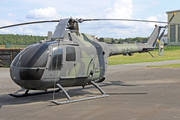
[[70, 58]]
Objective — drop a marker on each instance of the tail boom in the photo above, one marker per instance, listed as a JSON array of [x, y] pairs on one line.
[[116, 49]]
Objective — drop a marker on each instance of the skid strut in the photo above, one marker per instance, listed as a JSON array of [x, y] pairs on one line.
[[77, 100]]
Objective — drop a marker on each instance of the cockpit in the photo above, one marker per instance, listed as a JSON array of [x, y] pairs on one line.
[[32, 61]]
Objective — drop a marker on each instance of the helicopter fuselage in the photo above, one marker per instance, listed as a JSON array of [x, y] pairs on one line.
[[69, 63]]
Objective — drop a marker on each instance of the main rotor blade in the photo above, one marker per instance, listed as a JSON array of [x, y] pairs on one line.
[[29, 23], [82, 20]]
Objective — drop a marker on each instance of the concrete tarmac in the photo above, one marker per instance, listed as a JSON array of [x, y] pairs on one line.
[[136, 91]]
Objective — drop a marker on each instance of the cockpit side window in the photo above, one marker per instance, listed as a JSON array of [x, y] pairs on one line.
[[56, 61], [70, 54]]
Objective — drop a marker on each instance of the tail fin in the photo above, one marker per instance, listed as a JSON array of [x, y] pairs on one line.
[[154, 36]]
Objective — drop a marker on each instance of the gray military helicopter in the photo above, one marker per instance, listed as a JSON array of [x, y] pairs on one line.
[[70, 58]]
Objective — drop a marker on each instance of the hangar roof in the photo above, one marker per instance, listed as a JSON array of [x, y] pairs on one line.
[[172, 11]]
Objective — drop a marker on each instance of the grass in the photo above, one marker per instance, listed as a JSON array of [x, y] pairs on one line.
[[144, 57], [5, 66], [171, 65], [2, 46]]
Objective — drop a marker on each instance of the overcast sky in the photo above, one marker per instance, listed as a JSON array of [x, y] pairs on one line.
[[18, 11]]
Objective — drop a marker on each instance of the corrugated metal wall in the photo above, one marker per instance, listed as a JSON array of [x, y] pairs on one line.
[[7, 56]]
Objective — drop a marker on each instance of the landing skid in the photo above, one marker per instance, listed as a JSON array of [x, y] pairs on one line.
[[78, 100], [31, 94]]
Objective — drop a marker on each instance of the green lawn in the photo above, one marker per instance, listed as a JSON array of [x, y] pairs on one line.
[[144, 57]]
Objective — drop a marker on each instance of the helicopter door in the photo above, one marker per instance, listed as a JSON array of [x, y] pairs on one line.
[[69, 63]]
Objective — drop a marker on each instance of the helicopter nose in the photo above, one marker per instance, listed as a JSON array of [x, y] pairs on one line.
[[27, 78], [15, 75], [26, 73]]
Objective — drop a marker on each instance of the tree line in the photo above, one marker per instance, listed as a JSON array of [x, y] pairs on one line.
[[131, 40], [19, 39], [29, 39]]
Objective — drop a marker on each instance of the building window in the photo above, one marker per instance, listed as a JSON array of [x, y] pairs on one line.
[[172, 33], [70, 54]]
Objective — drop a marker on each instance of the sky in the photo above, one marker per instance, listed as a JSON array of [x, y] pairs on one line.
[[20, 11]]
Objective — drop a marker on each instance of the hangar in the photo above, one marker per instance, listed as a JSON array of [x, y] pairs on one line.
[[174, 30]]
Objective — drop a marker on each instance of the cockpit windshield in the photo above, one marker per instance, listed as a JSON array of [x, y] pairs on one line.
[[35, 56]]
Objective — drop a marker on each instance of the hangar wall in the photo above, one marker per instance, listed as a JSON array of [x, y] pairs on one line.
[[7, 56], [174, 30]]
